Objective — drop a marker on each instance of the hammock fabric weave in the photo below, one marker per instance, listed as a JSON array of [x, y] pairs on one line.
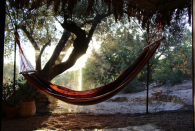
[[93, 96]]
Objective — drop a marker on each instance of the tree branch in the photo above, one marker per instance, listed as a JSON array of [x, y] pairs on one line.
[[38, 61], [97, 20], [57, 51], [28, 34], [63, 52], [80, 45], [35, 45]]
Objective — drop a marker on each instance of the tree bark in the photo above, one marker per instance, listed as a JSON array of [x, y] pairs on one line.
[[55, 66], [38, 57], [63, 52], [80, 47], [45, 72]]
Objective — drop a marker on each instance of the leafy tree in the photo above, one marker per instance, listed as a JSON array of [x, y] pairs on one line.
[[176, 63], [9, 71], [8, 47], [118, 50], [62, 79], [123, 44], [38, 28], [37, 25]]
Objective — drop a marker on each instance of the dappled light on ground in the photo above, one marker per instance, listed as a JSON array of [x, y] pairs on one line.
[[121, 112], [164, 121]]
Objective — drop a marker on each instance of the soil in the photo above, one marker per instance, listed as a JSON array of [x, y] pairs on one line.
[[59, 119], [180, 120]]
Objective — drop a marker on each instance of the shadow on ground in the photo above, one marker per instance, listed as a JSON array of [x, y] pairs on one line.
[[181, 120]]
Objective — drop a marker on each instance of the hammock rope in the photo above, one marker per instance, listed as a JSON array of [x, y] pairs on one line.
[[93, 96]]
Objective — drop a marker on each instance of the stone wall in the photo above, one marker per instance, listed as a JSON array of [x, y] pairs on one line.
[[165, 96], [45, 101]]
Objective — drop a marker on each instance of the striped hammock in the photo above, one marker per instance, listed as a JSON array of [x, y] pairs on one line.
[[93, 96]]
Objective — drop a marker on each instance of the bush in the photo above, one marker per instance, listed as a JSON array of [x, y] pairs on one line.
[[7, 89], [133, 86], [161, 74], [165, 74], [176, 77]]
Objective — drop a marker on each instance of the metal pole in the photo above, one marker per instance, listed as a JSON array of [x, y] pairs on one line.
[[14, 85], [2, 53], [147, 82], [148, 75]]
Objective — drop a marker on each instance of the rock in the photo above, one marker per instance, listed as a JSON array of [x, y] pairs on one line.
[[151, 86], [109, 100], [120, 99], [52, 105], [159, 91], [153, 97]]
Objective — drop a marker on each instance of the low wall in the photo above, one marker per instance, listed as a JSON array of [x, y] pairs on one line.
[[160, 95], [45, 101]]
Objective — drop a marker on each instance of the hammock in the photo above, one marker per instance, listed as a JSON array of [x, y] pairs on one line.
[[87, 97]]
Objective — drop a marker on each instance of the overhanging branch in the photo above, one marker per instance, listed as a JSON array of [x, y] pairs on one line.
[[57, 51], [80, 45], [38, 61], [28, 34]]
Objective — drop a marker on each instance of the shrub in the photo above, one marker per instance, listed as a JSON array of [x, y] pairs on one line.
[[7, 89], [176, 77], [165, 74], [133, 86]]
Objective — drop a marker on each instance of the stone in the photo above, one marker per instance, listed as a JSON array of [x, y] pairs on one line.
[[163, 96], [151, 86], [52, 105], [53, 100], [153, 97], [158, 91], [109, 100], [120, 99]]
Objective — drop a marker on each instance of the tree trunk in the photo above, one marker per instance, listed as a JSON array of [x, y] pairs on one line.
[[55, 66], [80, 45]]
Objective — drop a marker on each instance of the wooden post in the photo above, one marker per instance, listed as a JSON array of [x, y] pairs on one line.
[[193, 54], [2, 29]]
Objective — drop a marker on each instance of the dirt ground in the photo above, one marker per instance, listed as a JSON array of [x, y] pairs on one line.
[[180, 120]]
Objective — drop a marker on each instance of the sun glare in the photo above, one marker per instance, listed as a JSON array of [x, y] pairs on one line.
[[81, 61]]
